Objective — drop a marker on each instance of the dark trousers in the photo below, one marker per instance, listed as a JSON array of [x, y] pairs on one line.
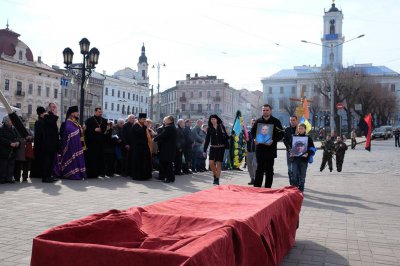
[[166, 171], [109, 164], [21, 166], [187, 153], [353, 143], [48, 164], [6, 169], [264, 165], [178, 162], [339, 162], [94, 162], [326, 158], [397, 141]]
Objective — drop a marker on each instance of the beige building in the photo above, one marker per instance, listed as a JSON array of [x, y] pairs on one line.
[[198, 97], [26, 83], [250, 103]]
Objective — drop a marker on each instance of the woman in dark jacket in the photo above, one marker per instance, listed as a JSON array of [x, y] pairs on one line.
[[216, 135], [9, 143], [166, 140]]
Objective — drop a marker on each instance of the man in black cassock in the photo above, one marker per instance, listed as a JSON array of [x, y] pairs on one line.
[[94, 137], [139, 152], [36, 169]]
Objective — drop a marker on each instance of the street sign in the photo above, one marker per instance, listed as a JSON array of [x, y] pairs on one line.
[[339, 106]]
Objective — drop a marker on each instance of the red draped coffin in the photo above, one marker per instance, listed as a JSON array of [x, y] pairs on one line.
[[225, 225]]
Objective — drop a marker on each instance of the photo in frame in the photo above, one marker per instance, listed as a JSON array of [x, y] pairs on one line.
[[299, 146], [264, 134]]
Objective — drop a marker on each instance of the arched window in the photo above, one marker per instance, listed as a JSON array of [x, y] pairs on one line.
[[20, 55], [128, 109], [123, 109]]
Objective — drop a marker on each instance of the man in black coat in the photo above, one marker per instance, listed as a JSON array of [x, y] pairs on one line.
[[36, 169], [188, 148], [167, 146], [8, 145], [180, 144], [96, 126], [50, 143], [266, 153], [287, 140], [126, 131], [328, 147], [139, 151]]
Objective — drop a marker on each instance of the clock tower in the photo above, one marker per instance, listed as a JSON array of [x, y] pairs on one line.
[[143, 66], [332, 40]]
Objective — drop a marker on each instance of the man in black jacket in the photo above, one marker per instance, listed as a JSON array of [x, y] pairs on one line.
[[167, 146], [50, 143], [36, 169], [328, 147], [266, 153], [287, 140], [8, 145], [126, 131]]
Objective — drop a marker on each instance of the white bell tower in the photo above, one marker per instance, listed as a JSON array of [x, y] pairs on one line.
[[332, 40], [143, 67]]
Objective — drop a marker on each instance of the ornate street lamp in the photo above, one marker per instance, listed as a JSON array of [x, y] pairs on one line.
[[89, 62]]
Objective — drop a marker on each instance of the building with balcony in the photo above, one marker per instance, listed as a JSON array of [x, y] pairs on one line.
[[198, 97], [26, 83]]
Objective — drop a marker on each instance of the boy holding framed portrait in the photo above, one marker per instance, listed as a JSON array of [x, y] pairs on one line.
[[302, 149]]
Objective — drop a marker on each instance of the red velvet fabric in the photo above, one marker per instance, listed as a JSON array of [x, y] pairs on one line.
[[225, 225]]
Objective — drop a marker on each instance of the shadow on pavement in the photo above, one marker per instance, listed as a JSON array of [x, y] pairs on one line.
[[306, 252]]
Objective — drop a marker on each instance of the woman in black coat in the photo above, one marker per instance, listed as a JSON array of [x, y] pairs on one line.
[[166, 140]]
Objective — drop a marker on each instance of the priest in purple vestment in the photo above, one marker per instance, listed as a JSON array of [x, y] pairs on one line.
[[72, 161]]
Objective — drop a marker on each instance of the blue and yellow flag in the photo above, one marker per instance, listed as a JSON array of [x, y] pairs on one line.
[[305, 121]]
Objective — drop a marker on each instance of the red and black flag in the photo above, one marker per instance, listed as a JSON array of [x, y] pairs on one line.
[[366, 127]]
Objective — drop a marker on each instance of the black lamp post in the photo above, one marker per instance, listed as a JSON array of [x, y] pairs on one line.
[[90, 60]]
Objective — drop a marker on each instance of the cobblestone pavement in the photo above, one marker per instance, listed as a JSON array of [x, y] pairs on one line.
[[347, 218]]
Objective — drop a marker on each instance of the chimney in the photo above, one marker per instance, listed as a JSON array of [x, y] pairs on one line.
[[39, 59], [196, 75], [187, 76]]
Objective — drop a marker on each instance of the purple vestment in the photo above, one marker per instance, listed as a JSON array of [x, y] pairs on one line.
[[72, 165]]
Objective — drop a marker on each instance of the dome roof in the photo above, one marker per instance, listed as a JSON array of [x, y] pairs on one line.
[[9, 41], [333, 8]]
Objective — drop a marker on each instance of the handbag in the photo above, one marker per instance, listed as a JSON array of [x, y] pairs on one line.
[[29, 154]]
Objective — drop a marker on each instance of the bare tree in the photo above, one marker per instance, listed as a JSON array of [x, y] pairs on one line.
[[289, 107]]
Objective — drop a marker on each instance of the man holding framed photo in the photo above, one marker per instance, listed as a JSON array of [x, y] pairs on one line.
[[268, 131]]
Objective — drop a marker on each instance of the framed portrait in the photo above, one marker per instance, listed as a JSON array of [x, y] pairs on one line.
[[299, 146], [264, 133]]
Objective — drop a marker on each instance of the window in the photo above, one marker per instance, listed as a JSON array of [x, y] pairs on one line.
[[191, 94], [143, 74], [208, 94], [200, 108], [293, 89], [39, 90], [105, 105], [183, 94], [123, 109], [128, 109], [216, 107], [141, 99], [304, 88], [129, 95], [200, 94], [20, 55], [30, 89], [112, 106], [106, 91], [191, 107], [123, 94], [209, 107], [217, 93], [118, 107], [392, 87], [137, 97], [281, 90], [269, 90], [316, 88], [112, 92], [19, 87], [29, 109], [133, 96], [281, 104], [7, 84], [183, 107], [119, 94], [47, 91], [55, 93]]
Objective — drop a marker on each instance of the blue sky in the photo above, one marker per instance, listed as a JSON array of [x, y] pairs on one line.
[[235, 40]]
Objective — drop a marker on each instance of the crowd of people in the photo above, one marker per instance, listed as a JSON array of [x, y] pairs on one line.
[[135, 148]]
